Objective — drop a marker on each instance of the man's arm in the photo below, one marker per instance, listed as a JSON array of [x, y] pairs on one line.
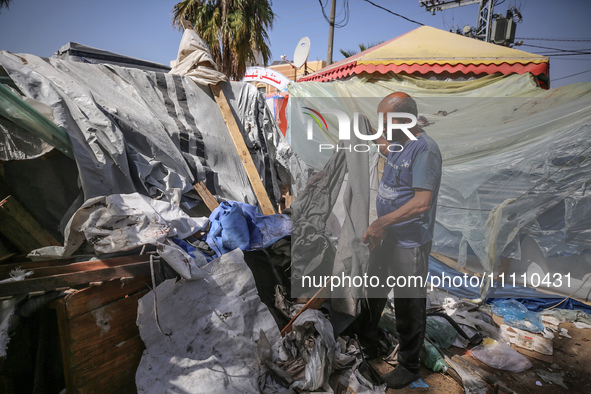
[[415, 207]]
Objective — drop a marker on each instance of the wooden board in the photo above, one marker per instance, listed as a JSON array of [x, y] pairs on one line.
[[91, 298], [102, 328], [313, 303], [21, 229], [251, 171], [101, 346], [112, 370], [87, 266], [206, 196], [73, 279]]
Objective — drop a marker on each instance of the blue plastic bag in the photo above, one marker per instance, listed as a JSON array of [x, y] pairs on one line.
[[517, 315]]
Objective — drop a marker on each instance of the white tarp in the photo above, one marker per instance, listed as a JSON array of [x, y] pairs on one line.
[[213, 325], [141, 131]]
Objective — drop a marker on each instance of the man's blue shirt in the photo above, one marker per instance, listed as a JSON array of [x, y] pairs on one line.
[[418, 165]]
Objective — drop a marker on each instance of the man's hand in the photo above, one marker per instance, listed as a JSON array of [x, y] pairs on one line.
[[374, 234]]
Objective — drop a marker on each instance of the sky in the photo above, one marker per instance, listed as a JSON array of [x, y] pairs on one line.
[[143, 29]]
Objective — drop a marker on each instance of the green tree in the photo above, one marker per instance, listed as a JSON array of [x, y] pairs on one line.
[[4, 3], [234, 30], [362, 47]]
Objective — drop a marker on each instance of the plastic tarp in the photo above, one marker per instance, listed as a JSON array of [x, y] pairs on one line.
[[26, 131], [516, 164], [123, 222], [237, 225], [195, 61], [134, 130], [213, 325]]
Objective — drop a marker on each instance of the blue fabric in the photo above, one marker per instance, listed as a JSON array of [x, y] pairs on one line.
[[198, 255], [532, 299], [418, 165], [238, 225]]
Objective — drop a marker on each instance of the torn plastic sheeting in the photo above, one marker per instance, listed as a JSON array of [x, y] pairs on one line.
[[501, 356], [319, 358], [237, 225], [30, 115], [213, 324], [191, 59], [134, 130], [123, 222], [535, 138], [517, 315]]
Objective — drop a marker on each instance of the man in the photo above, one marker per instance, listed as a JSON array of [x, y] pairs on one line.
[[400, 239]]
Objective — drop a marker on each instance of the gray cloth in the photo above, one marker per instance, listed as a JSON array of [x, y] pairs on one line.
[[135, 130], [312, 251]]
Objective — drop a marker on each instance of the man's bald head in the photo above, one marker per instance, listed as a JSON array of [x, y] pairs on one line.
[[398, 102]]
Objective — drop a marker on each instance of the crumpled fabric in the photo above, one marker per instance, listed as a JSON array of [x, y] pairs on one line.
[[238, 225], [142, 131], [313, 253], [124, 222], [313, 340], [213, 323], [195, 61]]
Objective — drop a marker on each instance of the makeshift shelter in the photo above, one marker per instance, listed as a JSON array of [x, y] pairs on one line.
[[516, 163], [430, 52], [140, 149]]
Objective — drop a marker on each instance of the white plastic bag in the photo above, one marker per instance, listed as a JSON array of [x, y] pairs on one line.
[[501, 356]]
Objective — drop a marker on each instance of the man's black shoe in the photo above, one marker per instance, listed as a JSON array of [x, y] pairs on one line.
[[399, 377]]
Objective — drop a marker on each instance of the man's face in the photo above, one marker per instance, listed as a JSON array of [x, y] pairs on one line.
[[398, 135]]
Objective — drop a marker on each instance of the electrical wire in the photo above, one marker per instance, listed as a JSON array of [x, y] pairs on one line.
[[393, 13], [555, 49], [572, 75], [558, 39], [344, 10]]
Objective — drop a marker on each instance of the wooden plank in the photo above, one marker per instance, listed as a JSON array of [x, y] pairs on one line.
[[31, 265], [313, 303], [110, 370], [251, 171], [73, 279], [86, 266], [92, 333], [21, 229], [64, 332], [206, 196], [91, 298]]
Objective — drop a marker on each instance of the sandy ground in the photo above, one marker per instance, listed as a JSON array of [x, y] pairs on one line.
[[572, 361]]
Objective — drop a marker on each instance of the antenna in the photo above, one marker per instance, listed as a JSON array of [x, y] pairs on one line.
[[301, 52]]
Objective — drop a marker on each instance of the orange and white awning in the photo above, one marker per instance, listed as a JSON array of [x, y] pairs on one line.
[[430, 50]]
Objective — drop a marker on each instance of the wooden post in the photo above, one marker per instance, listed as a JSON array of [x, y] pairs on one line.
[[21, 228], [206, 196], [251, 171], [313, 303]]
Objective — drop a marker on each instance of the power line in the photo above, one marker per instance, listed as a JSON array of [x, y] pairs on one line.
[[344, 10], [555, 49], [564, 54], [558, 39], [393, 13], [572, 75]]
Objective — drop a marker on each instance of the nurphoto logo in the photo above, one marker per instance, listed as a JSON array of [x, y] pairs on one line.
[[391, 123]]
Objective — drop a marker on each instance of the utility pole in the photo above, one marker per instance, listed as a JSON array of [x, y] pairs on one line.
[[333, 6], [485, 13]]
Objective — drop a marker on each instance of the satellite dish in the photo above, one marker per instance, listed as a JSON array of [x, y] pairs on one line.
[[301, 52]]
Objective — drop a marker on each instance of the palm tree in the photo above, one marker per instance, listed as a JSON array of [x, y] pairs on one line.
[[234, 30], [362, 47], [4, 3]]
